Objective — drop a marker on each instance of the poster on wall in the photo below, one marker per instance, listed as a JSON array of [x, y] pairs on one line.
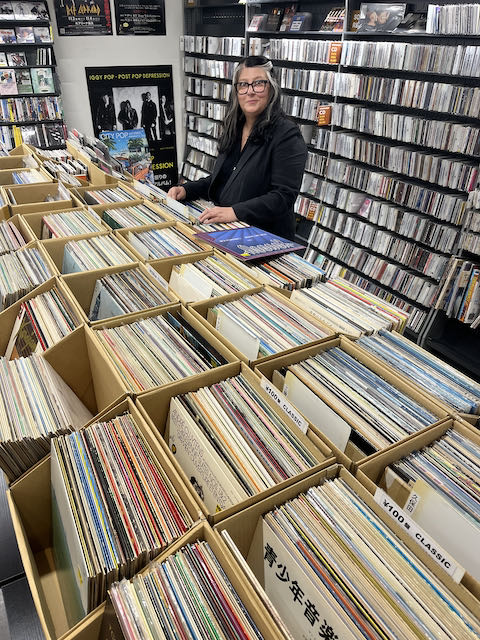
[[83, 17], [140, 17], [128, 98]]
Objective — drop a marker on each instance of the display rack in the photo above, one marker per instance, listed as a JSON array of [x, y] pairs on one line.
[[31, 112]]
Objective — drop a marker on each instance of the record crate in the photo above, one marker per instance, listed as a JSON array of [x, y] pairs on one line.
[[81, 287], [202, 378], [55, 248], [441, 530], [30, 504], [6, 176], [237, 339], [155, 406], [80, 193], [468, 417], [125, 235], [15, 162], [105, 215], [102, 624], [338, 427], [8, 317], [35, 222], [245, 531], [186, 286], [34, 198]]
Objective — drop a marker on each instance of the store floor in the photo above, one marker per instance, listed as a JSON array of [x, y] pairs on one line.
[[18, 618]]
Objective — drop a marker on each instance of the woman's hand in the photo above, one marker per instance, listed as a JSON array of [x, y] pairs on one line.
[[177, 193], [218, 214]]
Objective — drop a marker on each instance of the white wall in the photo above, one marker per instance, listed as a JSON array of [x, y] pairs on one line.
[[74, 53]]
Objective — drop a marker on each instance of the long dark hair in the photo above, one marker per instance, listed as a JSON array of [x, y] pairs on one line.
[[235, 118]]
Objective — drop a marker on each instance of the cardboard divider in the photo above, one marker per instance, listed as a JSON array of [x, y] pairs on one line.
[[82, 285], [202, 310], [9, 315], [45, 255], [353, 454], [242, 528], [155, 405], [372, 472], [30, 505], [34, 221], [120, 320], [98, 177], [102, 624], [33, 198], [104, 213], [443, 405], [55, 248], [13, 162], [124, 234]]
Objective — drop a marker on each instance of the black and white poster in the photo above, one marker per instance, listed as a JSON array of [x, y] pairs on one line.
[[83, 17], [126, 98], [140, 17]]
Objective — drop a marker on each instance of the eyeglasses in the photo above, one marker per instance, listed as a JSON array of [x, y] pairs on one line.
[[258, 86]]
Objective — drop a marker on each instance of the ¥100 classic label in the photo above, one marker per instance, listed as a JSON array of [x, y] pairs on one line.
[[421, 537]]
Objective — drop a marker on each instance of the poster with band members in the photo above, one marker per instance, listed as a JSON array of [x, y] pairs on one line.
[[128, 98], [140, 17], [83, 17]]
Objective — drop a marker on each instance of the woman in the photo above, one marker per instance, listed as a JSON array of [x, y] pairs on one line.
[[127, 116], [257, 175]]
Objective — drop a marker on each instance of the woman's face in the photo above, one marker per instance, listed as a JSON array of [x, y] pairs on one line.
[[253, 104]]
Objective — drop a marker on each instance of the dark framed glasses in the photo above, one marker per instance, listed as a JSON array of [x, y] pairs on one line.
[[258, 86]]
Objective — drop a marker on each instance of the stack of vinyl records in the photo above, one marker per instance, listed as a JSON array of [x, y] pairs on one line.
[[70, 223], [135, 216], [427, 371], [188, 595], [333, 570], [35, 404], [116, 294], [21, 272], [10, 237], [162, 243], [232, 445], [288, 272], [94, 253], [114, 508], [108, 196], [158, 350]]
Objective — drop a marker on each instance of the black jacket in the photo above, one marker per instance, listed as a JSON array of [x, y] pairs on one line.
[[264, 185]]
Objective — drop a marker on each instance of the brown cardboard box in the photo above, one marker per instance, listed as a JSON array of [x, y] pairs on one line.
[[372, 472], [124, 235], [34, 221], [269, 368], [21, 150], [29, 501], [202, 310], [55, 248], [222, 370], [31, 198], [155, 406], [6, 178], [9, 315], [102, 624], [242, 528], [82, 285], [13, 162]]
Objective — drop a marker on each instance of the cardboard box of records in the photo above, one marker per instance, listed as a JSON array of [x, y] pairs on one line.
[[97, 306], [448, 534], [15, 162], [37, 176], [121, 191], [304, 559], [218, 491], [23, 228], [344, 429], [213, 353], [109, 217], [34, 198], [136, 246], [55, 248], [16, 334], [30, 504], [241, 341], [35, 222], [103, 624], [192, 286]]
